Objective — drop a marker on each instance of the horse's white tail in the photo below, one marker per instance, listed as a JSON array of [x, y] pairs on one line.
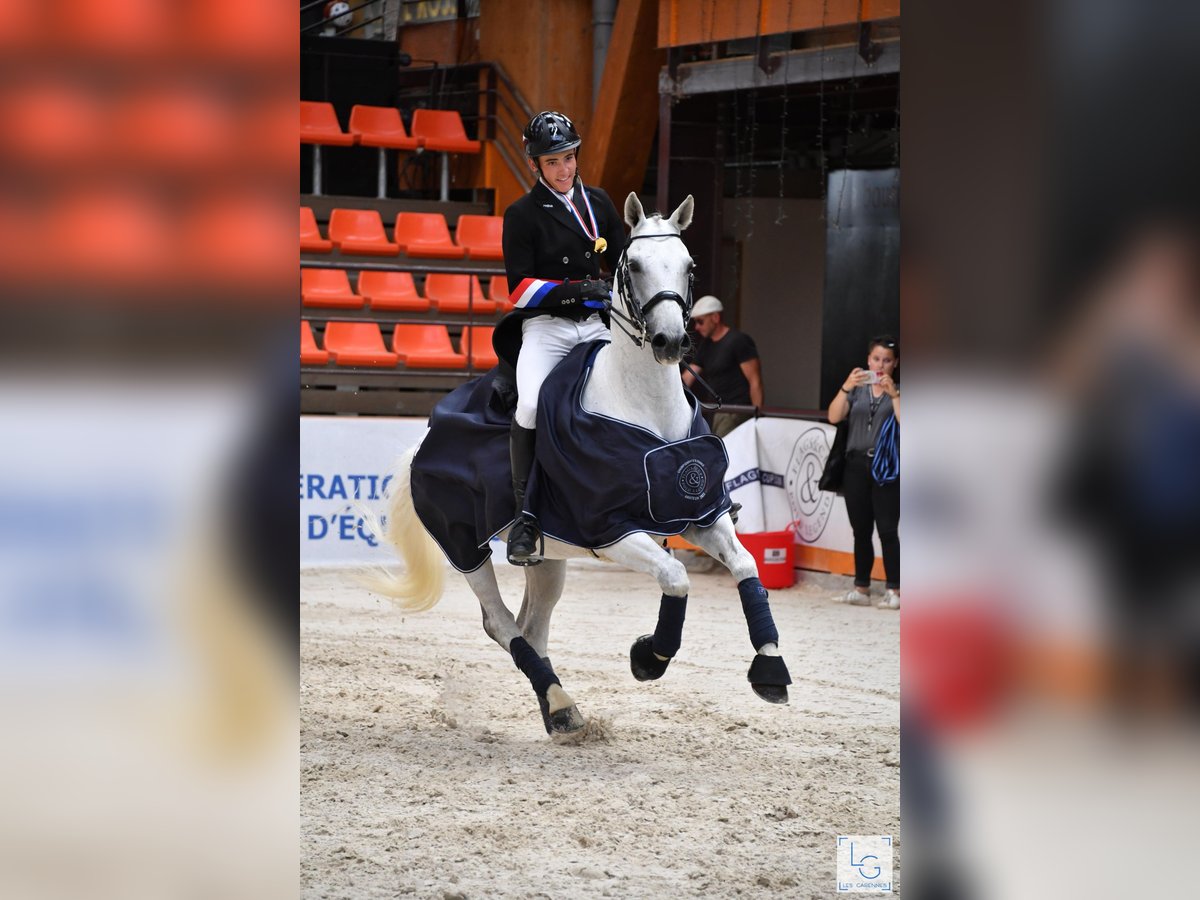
[[423, 580]]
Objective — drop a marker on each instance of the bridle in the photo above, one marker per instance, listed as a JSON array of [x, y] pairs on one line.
[[635, 315]]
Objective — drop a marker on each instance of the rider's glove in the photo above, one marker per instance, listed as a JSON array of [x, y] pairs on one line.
[[595, 295]]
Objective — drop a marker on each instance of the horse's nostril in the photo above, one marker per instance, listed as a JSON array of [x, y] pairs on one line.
[[658, 342]]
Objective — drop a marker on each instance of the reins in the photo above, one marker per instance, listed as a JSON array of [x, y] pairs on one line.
[[636, 318]]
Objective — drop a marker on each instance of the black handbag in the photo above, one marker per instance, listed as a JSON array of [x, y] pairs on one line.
[[835, 463]]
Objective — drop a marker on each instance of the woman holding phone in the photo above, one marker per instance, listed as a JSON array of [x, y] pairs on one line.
[[870, 399]]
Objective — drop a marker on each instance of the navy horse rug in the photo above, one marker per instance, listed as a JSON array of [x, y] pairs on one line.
[[595, 479]]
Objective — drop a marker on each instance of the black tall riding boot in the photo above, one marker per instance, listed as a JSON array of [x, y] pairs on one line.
[[524, 537]]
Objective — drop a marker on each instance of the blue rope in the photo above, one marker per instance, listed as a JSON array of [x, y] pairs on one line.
[[887, 453]]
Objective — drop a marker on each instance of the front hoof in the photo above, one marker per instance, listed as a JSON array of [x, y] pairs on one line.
[[772, 693], [769, 678], [642, 661]]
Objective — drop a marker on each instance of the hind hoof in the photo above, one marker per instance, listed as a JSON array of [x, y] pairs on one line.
[[565, 721], [642, 661]]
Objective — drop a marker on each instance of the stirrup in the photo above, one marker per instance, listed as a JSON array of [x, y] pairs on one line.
[[519, 532]]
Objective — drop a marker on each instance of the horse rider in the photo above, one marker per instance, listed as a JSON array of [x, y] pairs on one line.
[[554, 239]]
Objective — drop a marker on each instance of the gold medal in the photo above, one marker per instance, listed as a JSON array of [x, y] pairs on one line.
[[601, 245]]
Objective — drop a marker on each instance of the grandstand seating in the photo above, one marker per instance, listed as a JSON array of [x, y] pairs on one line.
[[358, 344], [498, 292], [319, 125], [310, 353], [477, 346], [426, 235], [328, 288], [360, 231], [391, 291], [480, 236], [449, 292], [381, 127], [310, 235], [426, 347], [442, 129]]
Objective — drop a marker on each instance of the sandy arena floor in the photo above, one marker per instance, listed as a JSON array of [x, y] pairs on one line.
[[425, 770]]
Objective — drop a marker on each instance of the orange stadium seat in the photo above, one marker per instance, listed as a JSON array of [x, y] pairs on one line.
[[310, 235], [442, 129], [426, 347], [360, 231], [477, 346], [498, 291], [319, 125], [328, 287], [391, 290], [381, 126], [310, 353], [426, 234], [480, 236], [358, 344], [450, 293]]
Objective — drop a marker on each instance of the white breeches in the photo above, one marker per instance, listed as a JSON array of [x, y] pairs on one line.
[[544, 341]]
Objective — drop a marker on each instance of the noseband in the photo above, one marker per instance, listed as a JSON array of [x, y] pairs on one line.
[[636, 317]]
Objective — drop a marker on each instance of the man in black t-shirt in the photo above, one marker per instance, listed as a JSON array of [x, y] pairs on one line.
[[728, 360]]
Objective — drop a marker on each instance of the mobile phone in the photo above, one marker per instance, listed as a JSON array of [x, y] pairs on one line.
[[872, 378]]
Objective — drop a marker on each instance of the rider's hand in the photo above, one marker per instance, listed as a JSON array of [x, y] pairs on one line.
[[595, 295]]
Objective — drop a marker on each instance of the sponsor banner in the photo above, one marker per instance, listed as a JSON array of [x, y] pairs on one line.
[[345, 465], [774, 467]]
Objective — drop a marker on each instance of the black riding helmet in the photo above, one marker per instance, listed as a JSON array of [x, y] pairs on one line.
[[549, 132]]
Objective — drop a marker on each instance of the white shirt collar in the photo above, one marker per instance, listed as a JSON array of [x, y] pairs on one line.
[[566, 198]]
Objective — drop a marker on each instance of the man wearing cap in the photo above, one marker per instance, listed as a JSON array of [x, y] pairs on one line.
[[727, 359]]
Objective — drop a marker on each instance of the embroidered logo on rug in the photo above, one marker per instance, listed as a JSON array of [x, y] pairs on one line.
[[691, 479]]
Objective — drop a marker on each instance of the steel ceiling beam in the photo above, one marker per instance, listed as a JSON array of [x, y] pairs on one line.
[[792, 67]]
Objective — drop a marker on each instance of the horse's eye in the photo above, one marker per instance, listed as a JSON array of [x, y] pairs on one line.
[[635, 266]]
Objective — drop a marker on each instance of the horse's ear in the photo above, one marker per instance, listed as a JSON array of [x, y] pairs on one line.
[[682, 216], [633, 210]]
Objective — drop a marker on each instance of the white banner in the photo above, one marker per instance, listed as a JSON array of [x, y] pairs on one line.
[[774, 467], [346, 461]]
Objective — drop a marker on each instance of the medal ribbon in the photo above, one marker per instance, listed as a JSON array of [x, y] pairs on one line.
[[594, 234]]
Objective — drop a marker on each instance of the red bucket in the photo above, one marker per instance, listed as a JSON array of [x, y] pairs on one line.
[[774, 552]]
